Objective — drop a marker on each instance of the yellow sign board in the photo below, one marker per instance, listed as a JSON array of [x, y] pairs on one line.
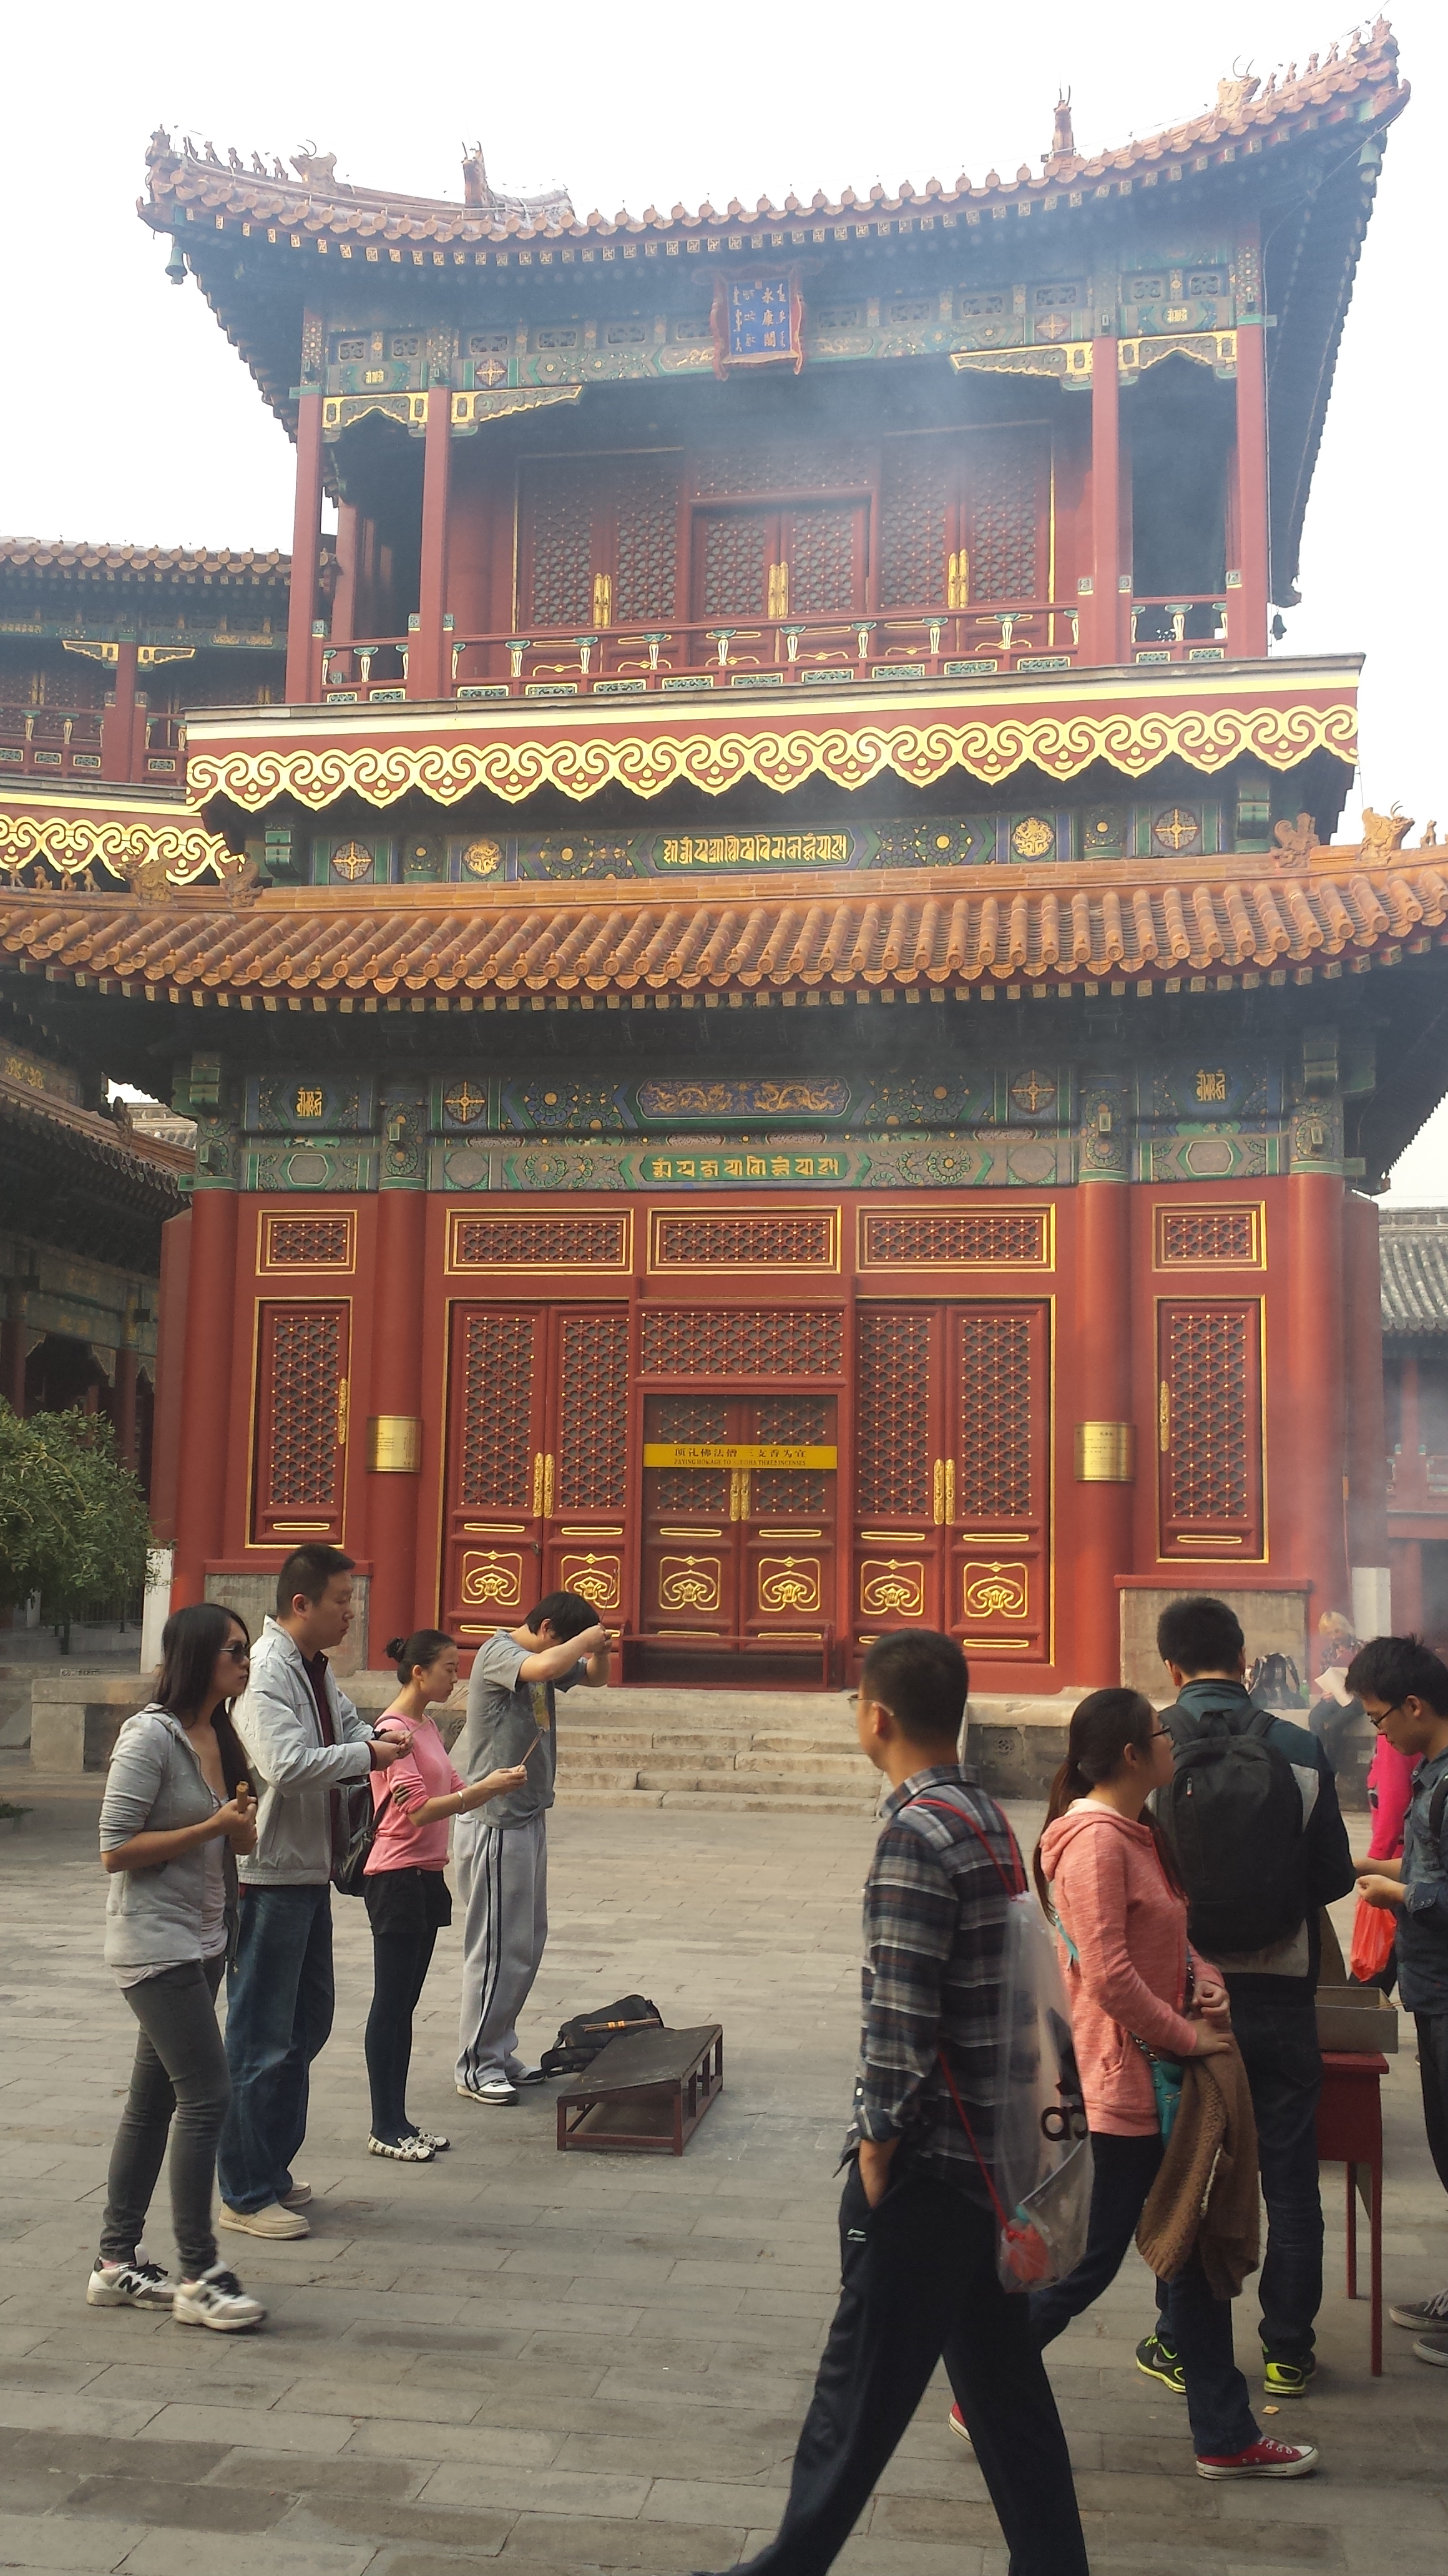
[[735, 1453]]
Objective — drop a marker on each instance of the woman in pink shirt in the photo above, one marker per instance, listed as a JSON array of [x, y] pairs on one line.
[[1140, 2003], [404, 1885]]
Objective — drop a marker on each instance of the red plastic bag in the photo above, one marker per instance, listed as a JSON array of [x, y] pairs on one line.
[[1373, 1930]]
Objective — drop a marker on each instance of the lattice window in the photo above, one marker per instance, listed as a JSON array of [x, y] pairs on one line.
[[736, 560], [794, 1493], [307, 1243], [806, 1341], [593, 1413], [949, 1238], [688, 1417], [495, 1422], [1003, 510], [300, 1426], [812, 465], [915, 503], [561, 497], [1210, 1433], [646, 545], [804, 1242], [996, 1398], [802, 1420], [1190, 1238], [692, 1489], [540, 1243], [822, 562], [892, 1397]]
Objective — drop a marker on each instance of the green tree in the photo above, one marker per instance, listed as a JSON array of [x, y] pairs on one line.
[[73, 1523]]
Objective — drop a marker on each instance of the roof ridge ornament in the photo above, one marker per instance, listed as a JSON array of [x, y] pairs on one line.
[[553, 205]]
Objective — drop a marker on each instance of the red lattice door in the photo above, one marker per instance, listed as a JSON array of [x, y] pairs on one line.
[[1004, 517], [953, 1473], [1209, 1426], [599, 542], [536, 1463], [299, 1456], [739, 1516]]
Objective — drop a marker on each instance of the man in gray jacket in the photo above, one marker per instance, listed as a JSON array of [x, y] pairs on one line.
[[305, 1741]]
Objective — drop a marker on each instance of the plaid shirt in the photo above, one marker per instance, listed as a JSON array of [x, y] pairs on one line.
[[935, 1910]]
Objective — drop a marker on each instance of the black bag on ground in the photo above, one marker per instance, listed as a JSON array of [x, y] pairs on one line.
[[588, 2034], [1232, 1814]]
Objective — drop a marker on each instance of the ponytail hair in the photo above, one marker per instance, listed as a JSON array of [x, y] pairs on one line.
[[1102, 1728], [414, 1654]]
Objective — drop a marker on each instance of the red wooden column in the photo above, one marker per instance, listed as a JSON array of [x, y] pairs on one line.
[[1367, 1435], [123, 1415], [1247, 612], [1308, 1483], [394, 1410], [1105, 625], [306, 517], [119, 720], [427, 667], [344, 597], [206, 1391], [1104, 1462]]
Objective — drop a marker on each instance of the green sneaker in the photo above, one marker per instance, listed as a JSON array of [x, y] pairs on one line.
[[1288, 2378], [1162, 2361]]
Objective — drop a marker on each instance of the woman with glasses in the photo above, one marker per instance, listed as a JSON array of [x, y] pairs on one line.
[[176, 1812]]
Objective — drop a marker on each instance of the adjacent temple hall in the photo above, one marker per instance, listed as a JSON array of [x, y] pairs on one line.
[[776, 1027]]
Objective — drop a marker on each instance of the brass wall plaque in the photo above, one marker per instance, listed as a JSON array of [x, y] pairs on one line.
[[1105, 1453], [394, 1444]]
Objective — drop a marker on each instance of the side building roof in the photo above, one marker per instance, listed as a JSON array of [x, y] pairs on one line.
[[1413, 1244]]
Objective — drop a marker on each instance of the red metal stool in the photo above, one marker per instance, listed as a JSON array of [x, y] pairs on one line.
[[1350, 2132]]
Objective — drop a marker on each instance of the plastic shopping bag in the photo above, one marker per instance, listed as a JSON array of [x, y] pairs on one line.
[[1374, 1929]]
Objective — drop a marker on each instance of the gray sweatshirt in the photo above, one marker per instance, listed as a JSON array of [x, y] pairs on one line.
[[155, 1784], [294, 1772]]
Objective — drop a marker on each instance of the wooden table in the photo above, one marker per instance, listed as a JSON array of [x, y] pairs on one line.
[[645, 2093], [1350, 2132]]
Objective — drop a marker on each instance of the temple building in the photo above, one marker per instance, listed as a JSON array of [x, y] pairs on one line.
[[776, 1027]]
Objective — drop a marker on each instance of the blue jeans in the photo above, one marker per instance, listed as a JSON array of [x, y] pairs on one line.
[[1284, 2071], [1200, 2326], [279, 2003]]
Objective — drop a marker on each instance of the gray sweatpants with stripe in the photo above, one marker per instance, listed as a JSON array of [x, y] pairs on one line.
[[502, 1884]]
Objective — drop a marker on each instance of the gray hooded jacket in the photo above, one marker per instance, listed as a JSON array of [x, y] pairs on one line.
[[155, 1784], [293, 1771]]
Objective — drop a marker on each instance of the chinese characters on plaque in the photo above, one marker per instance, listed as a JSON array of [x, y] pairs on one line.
[[758, 321]]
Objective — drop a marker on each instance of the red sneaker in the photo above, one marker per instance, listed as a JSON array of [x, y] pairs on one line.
[[957, 2424], [1263, 2460]]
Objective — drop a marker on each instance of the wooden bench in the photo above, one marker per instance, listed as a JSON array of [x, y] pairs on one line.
[[645, 2093]]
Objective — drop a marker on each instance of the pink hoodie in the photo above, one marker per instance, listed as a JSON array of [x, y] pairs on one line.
[[1128, 1980]]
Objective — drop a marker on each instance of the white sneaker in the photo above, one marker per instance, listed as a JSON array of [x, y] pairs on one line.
[[417, 2150], [297, 2197], [273, 2220], [216, 2300], [496, 2090], [128, 2285], [526, 2075]]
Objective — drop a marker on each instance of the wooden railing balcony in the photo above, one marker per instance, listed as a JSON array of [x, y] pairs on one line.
[[67, 742], [683, 658], [1182, 628]]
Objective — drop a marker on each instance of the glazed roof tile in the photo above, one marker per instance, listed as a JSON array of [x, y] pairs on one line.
[[1413, 1249], [152, 1168], [86, 560], [929, 929], [1244, 114]]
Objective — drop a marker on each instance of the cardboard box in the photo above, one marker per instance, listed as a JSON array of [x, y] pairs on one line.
[[1358, 2018]]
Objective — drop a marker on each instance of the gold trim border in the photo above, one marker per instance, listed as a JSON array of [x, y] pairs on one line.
[[988, 748], [268, 1268], [693, 1214], [497, 1272], [1255, 1209], [145, 856], [1037, 1267]]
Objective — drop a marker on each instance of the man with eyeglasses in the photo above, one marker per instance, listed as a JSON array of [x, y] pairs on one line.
[[1403, 1686]]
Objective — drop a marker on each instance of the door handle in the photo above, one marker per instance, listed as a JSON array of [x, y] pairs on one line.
[[937, 1492]]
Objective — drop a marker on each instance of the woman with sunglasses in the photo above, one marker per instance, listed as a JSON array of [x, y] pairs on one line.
[[176, 1812]]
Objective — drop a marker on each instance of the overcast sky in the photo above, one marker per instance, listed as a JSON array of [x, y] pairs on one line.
[[132, 418]]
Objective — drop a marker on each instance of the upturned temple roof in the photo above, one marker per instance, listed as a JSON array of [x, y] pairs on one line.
[[1246, 116], [935, 930], [1413, 1246], [91, 565]]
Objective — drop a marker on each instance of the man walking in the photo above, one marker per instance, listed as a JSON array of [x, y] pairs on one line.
[[917, 2230], [500, 1852], [1253, 1818], [303, 1739]]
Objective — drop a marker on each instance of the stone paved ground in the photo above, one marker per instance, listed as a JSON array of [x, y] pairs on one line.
[[591, 2363]]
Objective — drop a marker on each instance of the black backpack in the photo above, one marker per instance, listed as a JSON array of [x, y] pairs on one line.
[[588, 2034], [1232, 1815]]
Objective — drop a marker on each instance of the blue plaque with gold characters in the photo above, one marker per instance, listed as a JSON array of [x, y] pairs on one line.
[[758, 321]]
